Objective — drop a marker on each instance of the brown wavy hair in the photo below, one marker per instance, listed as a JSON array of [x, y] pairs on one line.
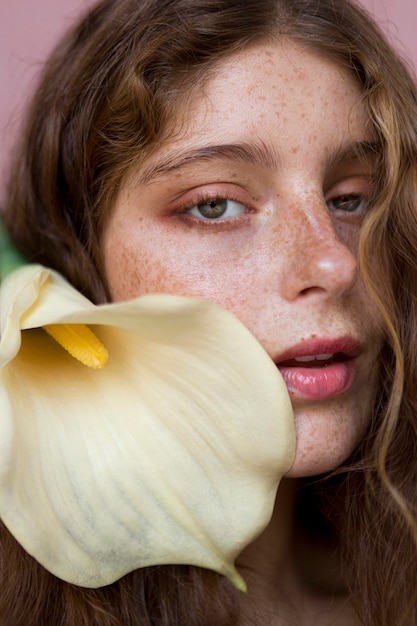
[[103, 104]]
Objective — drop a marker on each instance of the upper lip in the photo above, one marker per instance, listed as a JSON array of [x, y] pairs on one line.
[[346, 347]]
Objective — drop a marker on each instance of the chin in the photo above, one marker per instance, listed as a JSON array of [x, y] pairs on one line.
[[313, 460], [324, 445], [305, 467]]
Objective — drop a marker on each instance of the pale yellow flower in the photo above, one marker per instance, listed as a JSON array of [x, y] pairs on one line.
[[171, 453]]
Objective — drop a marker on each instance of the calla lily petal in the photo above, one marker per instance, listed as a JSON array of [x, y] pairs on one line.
[[172, 453]]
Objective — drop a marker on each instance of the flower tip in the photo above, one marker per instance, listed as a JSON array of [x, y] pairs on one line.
[[237, 581], [97, 360]]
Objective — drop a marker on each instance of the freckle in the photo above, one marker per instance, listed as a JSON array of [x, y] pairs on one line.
[[309, 448], [295, 150]]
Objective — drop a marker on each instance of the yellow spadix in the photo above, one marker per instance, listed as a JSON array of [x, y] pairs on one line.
[[80, 342]]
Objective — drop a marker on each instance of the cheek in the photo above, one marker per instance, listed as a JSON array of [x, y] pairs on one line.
[[137, 265], [148, 265], [123, 276]]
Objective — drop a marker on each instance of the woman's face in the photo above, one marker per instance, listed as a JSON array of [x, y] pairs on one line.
[[257, 204]]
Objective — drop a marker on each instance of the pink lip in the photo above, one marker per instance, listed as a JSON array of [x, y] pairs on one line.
[[314, 382]]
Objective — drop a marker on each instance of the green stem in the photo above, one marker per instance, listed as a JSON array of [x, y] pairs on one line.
[[10, 258]]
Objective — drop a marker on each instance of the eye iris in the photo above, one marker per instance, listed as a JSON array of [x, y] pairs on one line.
[[212, 208], [348, 203]]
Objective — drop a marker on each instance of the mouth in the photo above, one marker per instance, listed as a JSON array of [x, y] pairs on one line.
[[315, 360], [320, 369]]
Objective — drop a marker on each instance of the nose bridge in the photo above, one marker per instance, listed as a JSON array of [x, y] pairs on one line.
[[319, 261], [314, 224]]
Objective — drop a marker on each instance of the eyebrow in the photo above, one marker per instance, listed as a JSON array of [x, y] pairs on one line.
[[363, 150], [256, 153]]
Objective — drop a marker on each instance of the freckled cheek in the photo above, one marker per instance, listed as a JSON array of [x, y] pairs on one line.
[[133, 270], [169, 267], [122, 279], [131, 273]]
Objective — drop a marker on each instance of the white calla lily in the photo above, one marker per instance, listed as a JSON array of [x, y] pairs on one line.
[[171, 453]]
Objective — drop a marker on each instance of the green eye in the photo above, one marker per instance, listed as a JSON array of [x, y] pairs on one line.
[[215, 208], [350, 203], [211, 209]]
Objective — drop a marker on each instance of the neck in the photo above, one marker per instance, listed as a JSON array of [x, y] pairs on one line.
[[269, 558], [292, 573]]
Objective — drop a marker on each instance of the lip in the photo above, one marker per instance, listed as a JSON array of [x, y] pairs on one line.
[[320, 380]]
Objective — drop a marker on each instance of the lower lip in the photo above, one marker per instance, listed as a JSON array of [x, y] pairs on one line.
[[319, 383]]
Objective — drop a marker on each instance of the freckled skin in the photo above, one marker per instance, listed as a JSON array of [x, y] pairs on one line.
[[287, 267]]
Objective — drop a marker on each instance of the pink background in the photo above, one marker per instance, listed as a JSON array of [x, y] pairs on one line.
[[29, 28]]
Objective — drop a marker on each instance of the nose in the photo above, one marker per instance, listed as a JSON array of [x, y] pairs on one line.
[[320, 260]]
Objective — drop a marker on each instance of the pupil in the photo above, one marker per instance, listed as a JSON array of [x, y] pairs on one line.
[[213, 208]]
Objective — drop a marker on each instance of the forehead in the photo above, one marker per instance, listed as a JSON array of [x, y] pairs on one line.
[[279, 95]]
